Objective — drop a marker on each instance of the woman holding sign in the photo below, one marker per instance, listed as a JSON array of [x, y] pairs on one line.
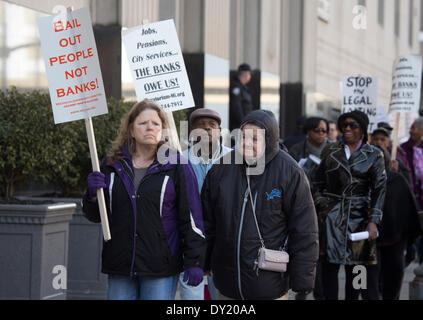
[[154, 211], [349, 195]]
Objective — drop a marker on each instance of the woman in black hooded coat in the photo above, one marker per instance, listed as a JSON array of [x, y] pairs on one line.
[[284, 208]]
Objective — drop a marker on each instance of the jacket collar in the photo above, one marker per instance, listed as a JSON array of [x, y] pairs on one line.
[[156, 166], [359, 156], [410, 144]]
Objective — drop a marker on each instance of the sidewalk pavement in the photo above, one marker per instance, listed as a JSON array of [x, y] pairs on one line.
[[408, 277]]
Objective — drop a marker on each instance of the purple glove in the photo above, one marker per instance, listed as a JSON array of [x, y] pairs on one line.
[[194, 276], [96, 180]]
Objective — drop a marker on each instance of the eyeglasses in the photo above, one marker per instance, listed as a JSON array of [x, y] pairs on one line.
[[352, 125], [320, 131]]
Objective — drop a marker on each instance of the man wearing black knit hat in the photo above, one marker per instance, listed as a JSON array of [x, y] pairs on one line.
[[350, 187]]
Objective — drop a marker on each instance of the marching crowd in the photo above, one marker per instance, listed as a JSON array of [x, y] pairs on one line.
[[231, 217]]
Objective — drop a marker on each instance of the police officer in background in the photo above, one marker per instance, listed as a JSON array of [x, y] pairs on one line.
[[240, 97]]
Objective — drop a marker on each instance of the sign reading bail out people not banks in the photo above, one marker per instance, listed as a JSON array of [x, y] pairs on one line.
[[74, 78], [157, 65], [360, 93], [72, 66]]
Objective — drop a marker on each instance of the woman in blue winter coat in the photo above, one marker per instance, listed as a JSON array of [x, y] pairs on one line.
[[154, 211]]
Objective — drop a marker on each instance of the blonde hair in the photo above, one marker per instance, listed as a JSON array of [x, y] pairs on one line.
[[124, 132]]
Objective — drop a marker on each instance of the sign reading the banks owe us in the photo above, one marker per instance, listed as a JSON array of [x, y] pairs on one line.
[[72, 66], [360, 93], [406, 84], [157, 65]]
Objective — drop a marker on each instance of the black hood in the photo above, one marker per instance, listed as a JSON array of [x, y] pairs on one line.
[[266, 120]]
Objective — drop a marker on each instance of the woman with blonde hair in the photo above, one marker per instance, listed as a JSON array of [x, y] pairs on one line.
[[154, 212]]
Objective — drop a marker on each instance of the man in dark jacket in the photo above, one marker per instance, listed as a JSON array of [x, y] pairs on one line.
[[240, 103], [284, 210]]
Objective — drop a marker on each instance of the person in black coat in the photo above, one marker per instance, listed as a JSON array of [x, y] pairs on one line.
[[284, 209], [400, 227], [240, 103], [349, 192]]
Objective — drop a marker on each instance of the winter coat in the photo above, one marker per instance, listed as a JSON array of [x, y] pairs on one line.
[[156, 230], [284, 208], [349, 194], [416, 185], [301, 151], [400, 216]]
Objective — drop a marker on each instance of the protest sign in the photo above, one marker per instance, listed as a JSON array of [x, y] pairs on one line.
[[360, 93], [405, 95], [72, 66], [157, 65], [74, 78], [406, 84]]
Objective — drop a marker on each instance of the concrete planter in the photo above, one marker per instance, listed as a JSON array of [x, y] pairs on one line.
[[34, 239], [85, 246], [85, 280]]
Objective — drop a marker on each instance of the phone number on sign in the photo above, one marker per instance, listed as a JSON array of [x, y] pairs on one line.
[[172, 104]]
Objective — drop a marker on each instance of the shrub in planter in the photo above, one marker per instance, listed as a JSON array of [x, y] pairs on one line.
[[33, 147], [30, 143]]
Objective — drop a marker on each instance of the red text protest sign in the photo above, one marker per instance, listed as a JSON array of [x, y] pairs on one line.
[[72, 66]]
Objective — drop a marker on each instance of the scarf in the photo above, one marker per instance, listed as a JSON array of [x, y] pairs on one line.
[[418, 163], [316, 151]]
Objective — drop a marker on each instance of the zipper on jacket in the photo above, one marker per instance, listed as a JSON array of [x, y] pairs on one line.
[[239, 243], [135, 225]]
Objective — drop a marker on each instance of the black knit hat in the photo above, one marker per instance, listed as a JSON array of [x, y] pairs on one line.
[[244, 67], [360, 117]]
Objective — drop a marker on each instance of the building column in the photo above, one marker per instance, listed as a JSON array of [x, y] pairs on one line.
[[203, 33], [292, 64], [106, 18]]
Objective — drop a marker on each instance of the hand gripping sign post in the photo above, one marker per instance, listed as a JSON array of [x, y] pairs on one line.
[[74, 77], [158, 68], [405, 96]]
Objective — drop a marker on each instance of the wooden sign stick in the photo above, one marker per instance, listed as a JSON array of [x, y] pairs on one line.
[[100, 192], [396, 133]]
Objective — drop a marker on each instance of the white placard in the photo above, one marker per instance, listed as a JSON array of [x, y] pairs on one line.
[[358, 236], [72, 66], [157, 65], [382, 114], [406, 84], [360, 93]]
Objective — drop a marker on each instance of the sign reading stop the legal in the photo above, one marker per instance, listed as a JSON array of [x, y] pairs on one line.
[[72, 66], [360, 93], [74, 79]]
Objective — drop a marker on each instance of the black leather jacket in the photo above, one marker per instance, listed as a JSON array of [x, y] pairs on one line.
[[349, 194]]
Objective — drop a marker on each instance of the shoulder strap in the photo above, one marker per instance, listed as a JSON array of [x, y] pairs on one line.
[[254, 211]]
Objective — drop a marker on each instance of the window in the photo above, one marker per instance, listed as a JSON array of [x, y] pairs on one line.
[[410, 22], [381, 12], [397, 17]]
